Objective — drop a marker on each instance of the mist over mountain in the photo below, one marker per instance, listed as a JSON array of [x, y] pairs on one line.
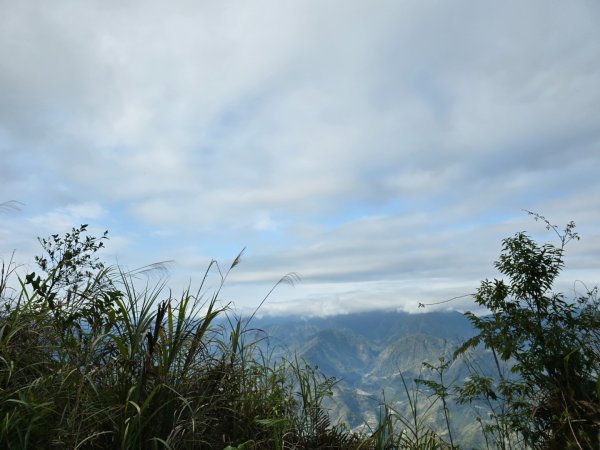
[[380, 328], [376, 355]]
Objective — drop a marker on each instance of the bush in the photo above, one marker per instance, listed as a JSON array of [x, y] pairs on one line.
[[551, 343]]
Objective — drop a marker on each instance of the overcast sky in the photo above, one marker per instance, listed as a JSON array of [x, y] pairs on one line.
[[379, 149]]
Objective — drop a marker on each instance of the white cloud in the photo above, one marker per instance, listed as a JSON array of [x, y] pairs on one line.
[[351, 142]]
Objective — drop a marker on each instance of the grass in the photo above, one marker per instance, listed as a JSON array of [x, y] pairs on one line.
[[99, 357], [96, 357]]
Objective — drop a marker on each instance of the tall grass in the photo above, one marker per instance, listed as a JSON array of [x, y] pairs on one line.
[[408, 429], [99, 357], [116, 361]]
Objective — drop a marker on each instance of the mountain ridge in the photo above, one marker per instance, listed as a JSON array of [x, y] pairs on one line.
[[375, 356]]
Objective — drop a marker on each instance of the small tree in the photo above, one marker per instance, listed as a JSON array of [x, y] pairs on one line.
[[75, 284], [552, 343]]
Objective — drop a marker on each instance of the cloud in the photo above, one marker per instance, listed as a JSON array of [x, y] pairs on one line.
[[349, 142]]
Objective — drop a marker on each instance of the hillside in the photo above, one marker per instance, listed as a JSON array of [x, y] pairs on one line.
[[373, 354]]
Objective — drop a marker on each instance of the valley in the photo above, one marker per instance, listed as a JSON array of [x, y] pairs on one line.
[[376, 357]]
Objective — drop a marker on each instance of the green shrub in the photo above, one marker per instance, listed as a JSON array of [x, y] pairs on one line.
[[551, 341]]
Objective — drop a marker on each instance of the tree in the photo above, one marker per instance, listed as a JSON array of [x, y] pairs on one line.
[[75, 284], [551, 341]]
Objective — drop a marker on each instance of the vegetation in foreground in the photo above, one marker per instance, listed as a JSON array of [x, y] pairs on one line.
[[97, 357]]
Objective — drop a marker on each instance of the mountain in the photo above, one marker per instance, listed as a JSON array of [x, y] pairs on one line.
[[375, 354], [408, 353], [369, 344], [378, 327], [339, 353]]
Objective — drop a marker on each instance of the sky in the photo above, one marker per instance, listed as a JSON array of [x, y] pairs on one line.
[[379, 150]]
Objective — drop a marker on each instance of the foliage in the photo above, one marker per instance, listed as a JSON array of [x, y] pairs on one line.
[[550, 341], [409, 430], [71, 259], [440, 389], [95, 357]]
